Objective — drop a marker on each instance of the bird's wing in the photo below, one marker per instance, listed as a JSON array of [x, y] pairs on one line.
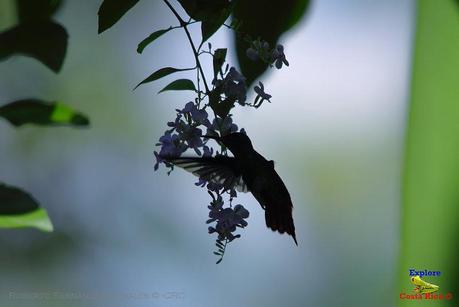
[[275, 198], [219, 169]]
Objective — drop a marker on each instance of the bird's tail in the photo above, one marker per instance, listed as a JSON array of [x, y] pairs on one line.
[[279, 218]]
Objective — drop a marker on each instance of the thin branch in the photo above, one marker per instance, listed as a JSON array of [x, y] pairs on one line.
[[183, 24]]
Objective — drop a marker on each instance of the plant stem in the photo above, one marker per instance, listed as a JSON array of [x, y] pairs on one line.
[[223, 252], [183, 24]]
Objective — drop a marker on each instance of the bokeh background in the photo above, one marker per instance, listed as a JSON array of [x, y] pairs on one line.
[[335, 128]]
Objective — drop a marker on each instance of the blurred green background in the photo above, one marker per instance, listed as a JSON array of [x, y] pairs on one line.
[[336, 129]]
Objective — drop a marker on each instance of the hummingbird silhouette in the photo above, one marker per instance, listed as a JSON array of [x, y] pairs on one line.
[[247, 171]]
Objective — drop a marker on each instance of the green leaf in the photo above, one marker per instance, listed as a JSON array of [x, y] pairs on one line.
[[161, 73], [152, 37], [430, 193], [35, 10], [45, 41], [20, 209], [219, 60], [179, 85], [276, 18], [111, 11], [33, 111], [38, 219], [212, 13]]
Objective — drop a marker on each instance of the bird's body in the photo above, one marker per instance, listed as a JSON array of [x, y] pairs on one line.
[[247, 171]]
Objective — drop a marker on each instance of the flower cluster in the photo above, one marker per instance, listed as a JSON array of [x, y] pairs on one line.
[[232, 87], [260, 50], [227, 219], [184, 134], [193, 122]]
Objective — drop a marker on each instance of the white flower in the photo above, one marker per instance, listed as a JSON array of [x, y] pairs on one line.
[[234, 86], [260, 90], [258, 50], [261, 95], [279, 56], [252, 54], [234, 76]]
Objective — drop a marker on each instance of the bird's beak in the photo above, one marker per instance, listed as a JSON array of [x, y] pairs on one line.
[[217, 138]]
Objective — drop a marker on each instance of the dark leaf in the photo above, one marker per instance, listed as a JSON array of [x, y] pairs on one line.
[[214, 98], [217, 253], [36, 10], [277, 17], [211, 25], [222, 108], [212, 13], [33, 111], [20, 209], [179, 85], [45, 41], [152, 37], [161, 73], [219, 59], [219, 260], [15, 201], [200, 9], [111, 11]]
